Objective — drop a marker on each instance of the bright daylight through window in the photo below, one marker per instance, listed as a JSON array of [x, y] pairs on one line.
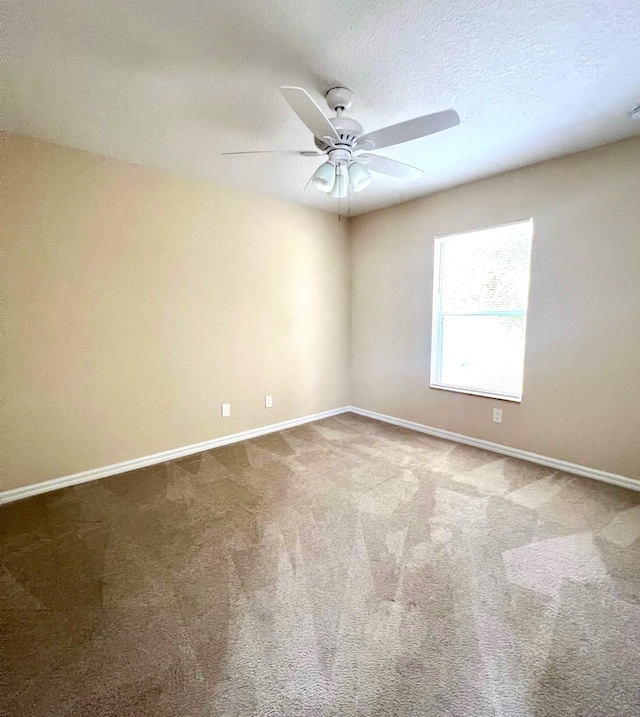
[[480, 293]]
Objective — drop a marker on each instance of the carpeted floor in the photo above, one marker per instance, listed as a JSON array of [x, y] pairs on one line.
[[344, 567]]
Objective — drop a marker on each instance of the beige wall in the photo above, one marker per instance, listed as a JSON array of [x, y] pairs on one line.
[[581, 398], [135, 303]]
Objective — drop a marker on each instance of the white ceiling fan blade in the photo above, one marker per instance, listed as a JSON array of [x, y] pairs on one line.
[[305, 107], [412, 129], [276, 151], [391, 167]]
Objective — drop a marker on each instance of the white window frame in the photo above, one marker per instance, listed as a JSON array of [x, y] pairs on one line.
[[438, 317]]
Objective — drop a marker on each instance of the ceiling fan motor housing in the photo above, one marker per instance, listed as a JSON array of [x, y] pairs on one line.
[[348, 131]]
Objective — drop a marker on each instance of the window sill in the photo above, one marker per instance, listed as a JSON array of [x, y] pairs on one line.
[[471, 392]]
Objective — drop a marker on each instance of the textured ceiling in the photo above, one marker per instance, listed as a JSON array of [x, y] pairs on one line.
[[173, 83]]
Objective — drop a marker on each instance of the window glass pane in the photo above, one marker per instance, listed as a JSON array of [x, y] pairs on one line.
[[483, 353], [486, 270]]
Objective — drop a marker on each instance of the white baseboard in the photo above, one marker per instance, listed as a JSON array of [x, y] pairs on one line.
[[556, 463], [56, 483], [8, 496]]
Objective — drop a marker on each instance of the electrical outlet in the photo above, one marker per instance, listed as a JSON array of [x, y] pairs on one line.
[[226, 410], [497, 415], [268, 401]]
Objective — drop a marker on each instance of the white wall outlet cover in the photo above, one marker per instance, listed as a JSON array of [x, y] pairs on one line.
[[226, 410], [268, 401], [497, 415]]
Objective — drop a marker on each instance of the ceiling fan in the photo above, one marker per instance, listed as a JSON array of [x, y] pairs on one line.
[[349, 162]]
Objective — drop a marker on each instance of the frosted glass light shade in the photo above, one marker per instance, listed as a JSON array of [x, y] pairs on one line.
[[341, 187], [324, 177], [358, 176]]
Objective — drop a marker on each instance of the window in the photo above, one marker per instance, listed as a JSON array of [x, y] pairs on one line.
[[480, 293]]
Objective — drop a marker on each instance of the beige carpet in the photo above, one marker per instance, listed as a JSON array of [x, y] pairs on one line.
[[345, 567]]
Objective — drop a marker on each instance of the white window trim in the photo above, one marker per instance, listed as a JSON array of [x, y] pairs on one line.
[[437, 316]]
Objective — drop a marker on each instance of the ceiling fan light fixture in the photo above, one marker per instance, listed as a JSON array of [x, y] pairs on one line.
[[324, 177], [359, 176]]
